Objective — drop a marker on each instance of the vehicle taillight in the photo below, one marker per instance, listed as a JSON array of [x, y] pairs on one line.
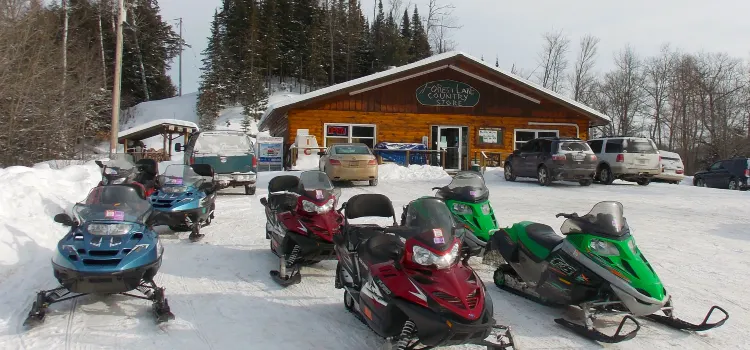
[[747, 172], [255, 162], [680, 171], [593, 158], [192, 160], [621, 158], [334, 162], [559, 157], [659, 158], [372, 162]]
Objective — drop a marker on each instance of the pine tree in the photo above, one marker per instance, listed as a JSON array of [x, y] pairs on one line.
[[420, 45], [270, 36], [497, 62]]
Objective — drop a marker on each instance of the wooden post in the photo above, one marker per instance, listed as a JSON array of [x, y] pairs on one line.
[[407, 157], [442, 157], [164, 142], [170, 147], [116, 86]]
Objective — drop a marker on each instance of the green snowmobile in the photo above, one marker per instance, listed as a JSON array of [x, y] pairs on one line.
[[596, 266], [467, 198]]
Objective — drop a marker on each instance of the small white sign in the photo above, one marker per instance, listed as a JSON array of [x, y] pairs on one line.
[[488, 136]]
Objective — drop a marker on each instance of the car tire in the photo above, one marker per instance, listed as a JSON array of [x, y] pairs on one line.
[[734, 185], [543, 176], [700, 183], [508, 169], [605, 175], [374, 182], [586, 182], [643, 182], [249, 190]]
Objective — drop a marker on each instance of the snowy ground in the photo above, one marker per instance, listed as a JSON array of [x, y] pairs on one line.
[[223, 297]]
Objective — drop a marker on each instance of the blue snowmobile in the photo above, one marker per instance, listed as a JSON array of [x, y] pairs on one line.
[[110, 249], [187, 195]]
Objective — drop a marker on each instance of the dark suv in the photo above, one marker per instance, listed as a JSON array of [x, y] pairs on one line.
[[553, 158], [733, 174]]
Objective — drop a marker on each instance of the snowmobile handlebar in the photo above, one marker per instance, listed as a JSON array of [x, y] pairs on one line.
[[436, 188], [567, 216]]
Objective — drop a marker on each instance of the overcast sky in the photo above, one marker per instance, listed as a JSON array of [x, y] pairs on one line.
[[512, 29]]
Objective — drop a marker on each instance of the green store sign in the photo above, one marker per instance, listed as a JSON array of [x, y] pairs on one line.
[[447, 93]]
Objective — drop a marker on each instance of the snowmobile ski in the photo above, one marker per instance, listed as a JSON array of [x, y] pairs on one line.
[[593, 334], [286, 281], [670, 320]]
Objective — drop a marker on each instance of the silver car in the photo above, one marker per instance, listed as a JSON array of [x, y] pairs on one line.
[[633, 159]]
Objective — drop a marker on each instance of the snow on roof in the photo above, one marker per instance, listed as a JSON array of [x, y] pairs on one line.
[[153, 124], [427, 61]]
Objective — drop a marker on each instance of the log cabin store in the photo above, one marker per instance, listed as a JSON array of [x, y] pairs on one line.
[[450, 101]]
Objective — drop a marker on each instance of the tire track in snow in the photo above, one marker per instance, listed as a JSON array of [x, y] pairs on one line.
[[69, 326]]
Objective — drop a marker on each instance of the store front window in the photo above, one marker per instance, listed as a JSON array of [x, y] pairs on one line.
[[350, 133], [523, 136]]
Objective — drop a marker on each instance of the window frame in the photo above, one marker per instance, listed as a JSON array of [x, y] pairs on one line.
[[349, 136], [536, 135]]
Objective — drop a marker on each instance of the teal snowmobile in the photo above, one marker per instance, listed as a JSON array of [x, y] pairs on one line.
[[467, 197], [596, 266]]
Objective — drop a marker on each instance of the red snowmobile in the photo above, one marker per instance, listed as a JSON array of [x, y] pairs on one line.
[[301, 222], [411, 284]]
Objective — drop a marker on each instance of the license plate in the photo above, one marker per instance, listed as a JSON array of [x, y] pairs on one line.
[[354, 163], [578, 157], [641, 161]]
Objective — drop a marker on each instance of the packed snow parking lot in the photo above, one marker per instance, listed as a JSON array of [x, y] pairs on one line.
[[223, 298]]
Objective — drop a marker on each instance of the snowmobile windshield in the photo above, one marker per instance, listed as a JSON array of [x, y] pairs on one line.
[[315, 185], [431, 223], [605, 218], [223, 143], [118, 164], [178, 175], [467, 186], [113, 203]]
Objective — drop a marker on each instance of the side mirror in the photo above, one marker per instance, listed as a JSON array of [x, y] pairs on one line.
[[322, 153], [65, 220], [178, 147], [99, 163], [264, 201]]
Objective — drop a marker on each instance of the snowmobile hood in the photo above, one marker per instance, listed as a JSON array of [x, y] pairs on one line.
[[479, 218], [621, 263], [456, 291], [107, 246], [176, 198]]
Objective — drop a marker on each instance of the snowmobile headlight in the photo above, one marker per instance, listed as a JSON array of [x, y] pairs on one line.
[[461, 208], [425, 257], [118, 181], [311, 207], [174, 189], [631, 245], [109, 229], [603, 248], [486, 209]]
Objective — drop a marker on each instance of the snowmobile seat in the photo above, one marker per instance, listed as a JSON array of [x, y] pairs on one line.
[[356, 234], [148, 169], [283, 183], [541, 240], [380, 248], [370, 204]]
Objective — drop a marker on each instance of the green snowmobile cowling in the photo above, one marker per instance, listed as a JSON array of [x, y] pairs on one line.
[[467, 197], [596, 265]]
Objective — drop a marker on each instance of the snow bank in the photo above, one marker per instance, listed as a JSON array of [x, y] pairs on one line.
[[31, 197], [413, 172], [305, 162]]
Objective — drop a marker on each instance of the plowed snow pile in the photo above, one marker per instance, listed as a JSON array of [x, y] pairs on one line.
[[413, 172]]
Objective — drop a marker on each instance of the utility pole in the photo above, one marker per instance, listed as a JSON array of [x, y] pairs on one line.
[[118, 79], [181, 47]]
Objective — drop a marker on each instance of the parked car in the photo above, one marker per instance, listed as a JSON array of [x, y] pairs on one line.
[[349, 162], [733, 174], [553, 158], [230, 153], [672, 168], [633, 159]]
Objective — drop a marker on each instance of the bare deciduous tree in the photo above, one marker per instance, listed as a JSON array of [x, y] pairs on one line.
[[657, 76], [439, 24], [583, 79], [621, 94], [553, 60]]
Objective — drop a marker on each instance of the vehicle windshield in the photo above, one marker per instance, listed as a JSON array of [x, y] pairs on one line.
[[315, 185], [574, 146], [221, 143], [604, 218], [468, 186], [432, 222], [113, 203], [640, 146], [180, 175], [351, 149], [119, 163]]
